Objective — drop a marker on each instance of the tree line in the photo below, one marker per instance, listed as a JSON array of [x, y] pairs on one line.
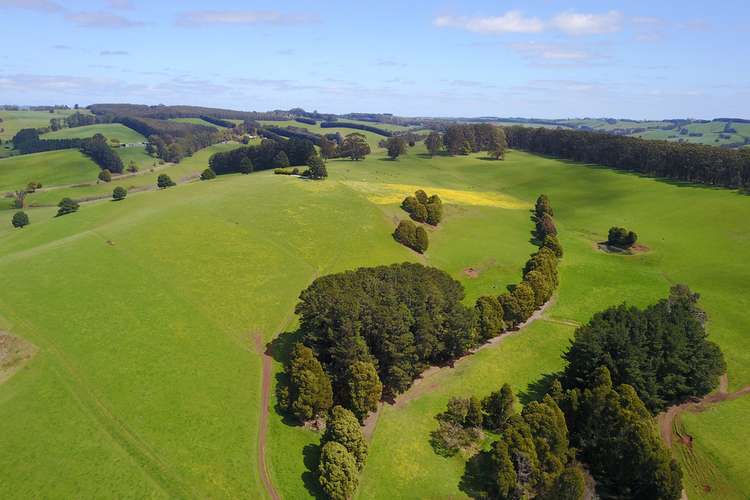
[[172, 141], [359, 126], [695, 163], [262, 157], [166, 112], [97, 148], [462, 139]]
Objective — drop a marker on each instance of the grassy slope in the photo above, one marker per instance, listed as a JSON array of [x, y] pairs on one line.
[[588, 201], [112, 131], [145, 178], [719, 455], [13, 121], [154, 357], [66, 166]]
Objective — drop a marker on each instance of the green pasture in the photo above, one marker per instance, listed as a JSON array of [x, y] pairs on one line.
[[66, 166], [13, 121], [112, 131], [194, 121], [146, 312]]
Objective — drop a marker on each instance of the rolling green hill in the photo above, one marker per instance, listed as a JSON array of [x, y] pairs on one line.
[[67, 166], [155, 311], [13, 121], [112, 131]]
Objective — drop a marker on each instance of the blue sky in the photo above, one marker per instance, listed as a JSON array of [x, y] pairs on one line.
[[533, 58]]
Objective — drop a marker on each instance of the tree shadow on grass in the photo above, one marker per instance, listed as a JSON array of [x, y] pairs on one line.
[[311, 455], [537, 389], [477, 481]]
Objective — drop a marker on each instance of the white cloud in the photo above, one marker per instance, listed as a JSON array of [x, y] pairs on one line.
[[573, 23], [241, 17], [514, 21], [114, 53], [100, 19], [552, 53], [511, 22]]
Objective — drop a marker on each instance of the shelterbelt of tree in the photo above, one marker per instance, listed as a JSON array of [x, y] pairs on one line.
[[683, 162]]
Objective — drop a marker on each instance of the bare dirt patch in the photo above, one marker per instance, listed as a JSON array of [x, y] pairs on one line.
[[14, 353], [474, 271]]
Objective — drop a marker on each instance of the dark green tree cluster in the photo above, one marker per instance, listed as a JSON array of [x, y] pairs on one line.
[[532, 455], [422, 208], [472, 138], [662, 351], [119, 193], [316, 167], [169, 140], [621, 238], [105, 175], [381, 316], [459, 426], [208, 174], [545, 224], [615, 435], [396, 146], [409, 234], [343, 454], [20, 219], [262, 156], [67, 206], [97, 148], [308, 394], [164, 181], [354, 146], [682, 161]]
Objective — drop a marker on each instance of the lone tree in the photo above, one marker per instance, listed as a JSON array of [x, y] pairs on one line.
[[396, 146], [164, 181], [208, 174], [316, 167], [67, 206], [338, 472], [543, 206], [20, 219], [497, 143], [434, 143], [354, 146], [621, 238], [246, 166], [105, 175], [119, 193], [132, 167]]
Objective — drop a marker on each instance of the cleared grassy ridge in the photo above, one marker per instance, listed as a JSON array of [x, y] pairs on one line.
[[147, 382], [13, 121], [197, 121], [112, 131], [66, 166]]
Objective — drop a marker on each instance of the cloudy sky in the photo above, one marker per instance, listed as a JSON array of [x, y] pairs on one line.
[[534, 58]]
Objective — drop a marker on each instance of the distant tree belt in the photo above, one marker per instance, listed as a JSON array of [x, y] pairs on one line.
[[217, 121], [28, 141], [308, 121], [150, 126], [166, 112], [295, 132], [359, 126], [262, 156], [685, 162]]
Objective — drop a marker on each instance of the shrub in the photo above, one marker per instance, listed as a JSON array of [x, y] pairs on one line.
[[67, 206], [164, 181], [20, 219], [337, 472], [551, 242], [132, 167], [105, 175], [208, 174], [621, 237], [33, 186], [119, 193], [396, 146]]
